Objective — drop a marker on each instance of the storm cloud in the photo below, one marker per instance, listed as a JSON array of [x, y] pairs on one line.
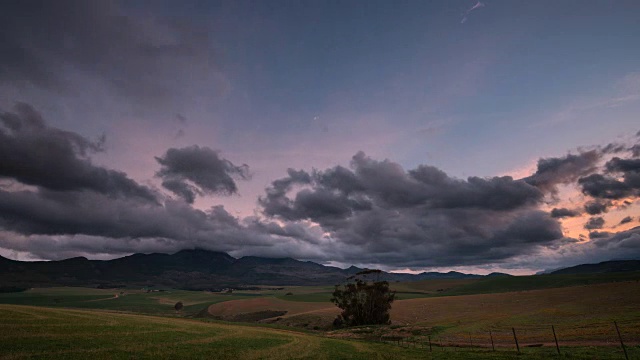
[[35, 154], [371, 212], [422, 217], [192, 171]]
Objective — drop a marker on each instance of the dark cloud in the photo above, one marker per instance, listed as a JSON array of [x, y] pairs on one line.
[[608, 185], [276, 201], [563, 212], [599, 234], [604, 187], [116, 225], [596, 207], [628, 242], [376, 212], [563, 170], [626, 220], [35, 154], [614, 148], [182, 189], [623, 165], [594, 223], [372, 212], [195, 170], [52, 224], [141, 56]]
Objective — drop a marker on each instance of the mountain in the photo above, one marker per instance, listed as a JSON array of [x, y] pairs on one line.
[[603, 267], [187, 269]]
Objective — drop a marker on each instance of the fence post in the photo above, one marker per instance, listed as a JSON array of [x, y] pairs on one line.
[[440, 340], [516, 339], [626, 356], [555, 338], [430, 349], [491, 337], [470, 340]]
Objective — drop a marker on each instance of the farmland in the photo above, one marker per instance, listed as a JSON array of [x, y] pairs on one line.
[[35, 332], [78, 334], [460, 317]]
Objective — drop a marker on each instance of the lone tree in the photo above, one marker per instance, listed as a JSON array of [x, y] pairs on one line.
[[362, 302], [178, 306]]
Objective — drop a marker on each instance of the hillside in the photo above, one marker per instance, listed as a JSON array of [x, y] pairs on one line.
[[603, 267]]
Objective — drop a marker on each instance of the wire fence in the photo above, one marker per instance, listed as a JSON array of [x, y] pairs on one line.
[[562, 338]]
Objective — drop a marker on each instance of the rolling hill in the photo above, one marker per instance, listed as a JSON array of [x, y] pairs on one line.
[[603, 267]]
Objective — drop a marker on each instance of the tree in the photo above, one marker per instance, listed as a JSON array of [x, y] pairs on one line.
[[362, 302], [178, 306]]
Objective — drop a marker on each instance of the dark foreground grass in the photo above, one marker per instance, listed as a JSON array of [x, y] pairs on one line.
[[38, 332]]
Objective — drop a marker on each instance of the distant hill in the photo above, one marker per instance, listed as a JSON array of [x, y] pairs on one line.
[[210, 270], [603, 267], [187, 269]]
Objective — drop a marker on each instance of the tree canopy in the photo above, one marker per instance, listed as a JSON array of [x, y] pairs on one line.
[[363, 302]]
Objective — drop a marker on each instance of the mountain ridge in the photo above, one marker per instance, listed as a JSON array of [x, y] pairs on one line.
[[199, 269], [187, 269]]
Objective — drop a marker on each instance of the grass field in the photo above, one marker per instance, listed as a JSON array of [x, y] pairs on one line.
[[581, 315], [38, 332], [295, 322]]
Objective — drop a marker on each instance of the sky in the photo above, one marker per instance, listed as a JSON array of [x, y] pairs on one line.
[[401, 135]]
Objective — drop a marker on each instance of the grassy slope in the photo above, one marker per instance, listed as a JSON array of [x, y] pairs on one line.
[[38, 332], [523, 283]]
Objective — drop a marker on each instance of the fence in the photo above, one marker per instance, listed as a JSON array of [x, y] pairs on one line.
[[621, 335]]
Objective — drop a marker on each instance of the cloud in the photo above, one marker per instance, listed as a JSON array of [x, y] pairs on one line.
[[594, 223], [602, 246], [378, 212], [605, 187], [626, 220], [599, 234], [596, 207], [563, 212], [140, 56], [195, 170], [552, 172], [35, 154], [608, 185], [465, 16], [372, 212]]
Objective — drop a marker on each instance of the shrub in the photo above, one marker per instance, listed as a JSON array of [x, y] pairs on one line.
[[178, 306]]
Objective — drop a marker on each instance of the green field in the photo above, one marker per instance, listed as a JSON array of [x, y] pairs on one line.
[[67, 322], [37, 332]]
